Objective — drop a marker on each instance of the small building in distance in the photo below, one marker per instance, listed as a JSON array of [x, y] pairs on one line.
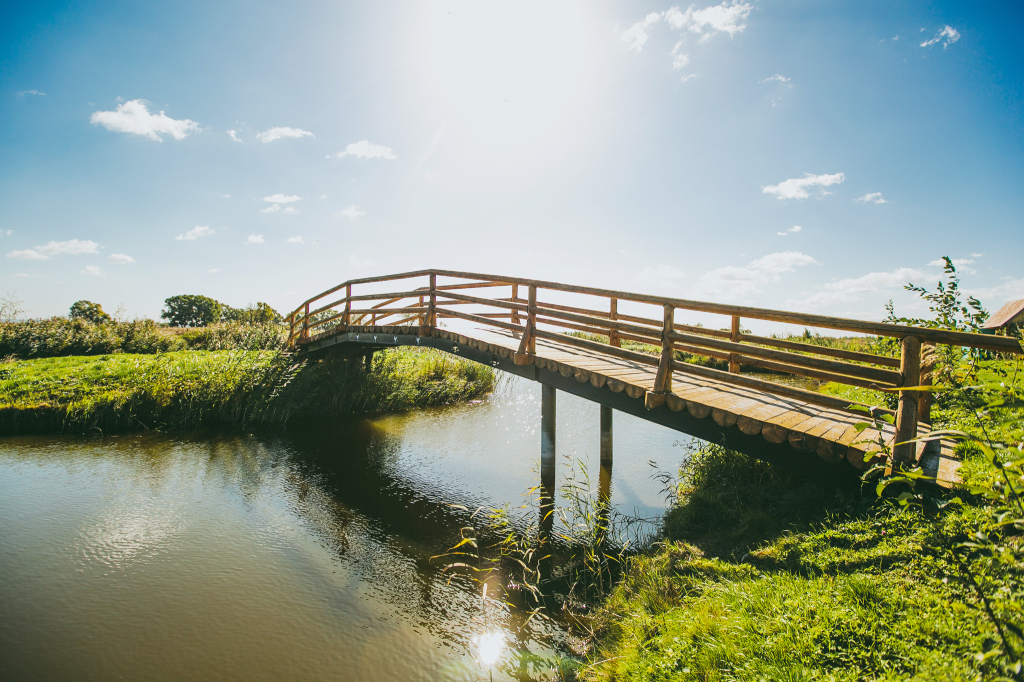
[[1006, 320]]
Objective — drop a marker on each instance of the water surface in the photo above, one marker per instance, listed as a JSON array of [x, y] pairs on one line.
[[294, 554]]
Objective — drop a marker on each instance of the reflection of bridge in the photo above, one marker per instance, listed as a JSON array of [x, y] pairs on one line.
[[795, 427]]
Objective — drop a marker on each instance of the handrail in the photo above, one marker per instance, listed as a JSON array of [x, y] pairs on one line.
[[527, 317]]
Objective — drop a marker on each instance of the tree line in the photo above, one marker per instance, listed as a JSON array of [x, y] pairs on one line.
[[188, 310]]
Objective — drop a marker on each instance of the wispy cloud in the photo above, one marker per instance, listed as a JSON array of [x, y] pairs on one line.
[[358, 262], [31, 92], [295, 240], [233, 134], [254, 239], [364, 149], [872, 198], [92, 270], [27, 254], [679, 60], [280, 133], [282, 199], [796, 188], [852, 289], [779, 79], [792, 230], [728, 17], [962, 265], [660, 278], [133, 117], [195, 233], [732, 283], [352, 212], [948, 34], [120, 258]]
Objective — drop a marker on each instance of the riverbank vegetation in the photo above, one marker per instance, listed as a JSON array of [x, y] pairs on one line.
[[192, 389]]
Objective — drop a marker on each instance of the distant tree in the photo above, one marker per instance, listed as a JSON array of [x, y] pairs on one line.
[[191, 311], [11, 307], [261, 313], [88, 311]]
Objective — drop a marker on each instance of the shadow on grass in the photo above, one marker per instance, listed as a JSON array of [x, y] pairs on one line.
[[729, 503]]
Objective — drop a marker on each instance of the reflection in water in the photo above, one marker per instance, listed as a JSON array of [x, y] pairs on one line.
[[298, 555]]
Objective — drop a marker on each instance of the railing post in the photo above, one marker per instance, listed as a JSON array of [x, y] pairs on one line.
[[305, 324], [613, 335], [734, 336], [663, 380], [906, 414], [432, 307], [348, 306], [531, 321], [515, 296], [924, 403]]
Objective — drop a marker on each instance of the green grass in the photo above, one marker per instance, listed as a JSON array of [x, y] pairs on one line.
[[765, 575], [190, 389]]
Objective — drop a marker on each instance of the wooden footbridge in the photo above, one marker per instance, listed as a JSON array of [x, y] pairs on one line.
[[571, 338]]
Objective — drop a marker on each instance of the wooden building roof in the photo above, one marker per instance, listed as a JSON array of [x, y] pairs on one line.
[[1005, 315]]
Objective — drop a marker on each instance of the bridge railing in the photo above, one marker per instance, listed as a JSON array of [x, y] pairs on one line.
[[427, 298]]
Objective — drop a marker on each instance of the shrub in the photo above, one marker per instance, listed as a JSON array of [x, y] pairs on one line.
[[88, 311], [190, 310]]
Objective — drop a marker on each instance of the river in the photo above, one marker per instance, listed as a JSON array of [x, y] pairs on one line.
[[302, 553]]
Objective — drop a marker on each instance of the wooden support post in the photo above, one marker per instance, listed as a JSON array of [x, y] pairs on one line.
[[305, 324], [613, 335], [924, 403], [906, 415], [432, 308], [663, 380], [345, 321], [547, 468], [734, 336], [531, 323], [606, 436], [515, 296], [368, 360]]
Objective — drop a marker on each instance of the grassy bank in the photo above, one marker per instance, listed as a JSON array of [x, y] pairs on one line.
[[190, 389], [765, 575]]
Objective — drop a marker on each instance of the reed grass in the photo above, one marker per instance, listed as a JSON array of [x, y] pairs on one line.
[[192, 389]]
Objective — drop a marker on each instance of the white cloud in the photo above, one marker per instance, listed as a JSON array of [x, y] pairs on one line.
[[660, 277], [792, 230], [358, 262], [291, 210], [224, 196], [295, 240], [364, 149], [872, 198], [727, 17], [1010, 289], [254, 239], [796, 188], [271, 209], [636, 35], [279, 133], [134, 117], [686, 78], [27, 254], [44, 252], [120, 258], [32, 92], [195, 233], [962, 265], [851, 289], [779, 78], [282, 199], [731, 282], [950, 34], [92, 270], [234, 135], [352, 212], [679, 60], [6, 232]]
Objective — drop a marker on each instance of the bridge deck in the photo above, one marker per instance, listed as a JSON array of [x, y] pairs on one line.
[[706, 407]]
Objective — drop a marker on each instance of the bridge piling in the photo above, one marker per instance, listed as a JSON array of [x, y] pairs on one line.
[[604, 489], [547, 469]]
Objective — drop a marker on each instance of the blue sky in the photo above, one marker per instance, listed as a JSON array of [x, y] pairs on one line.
[[801, 155]]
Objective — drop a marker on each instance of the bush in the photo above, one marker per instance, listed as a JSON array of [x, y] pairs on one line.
[[267, 336], [88, 311], [59, 336], [190, 310]]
